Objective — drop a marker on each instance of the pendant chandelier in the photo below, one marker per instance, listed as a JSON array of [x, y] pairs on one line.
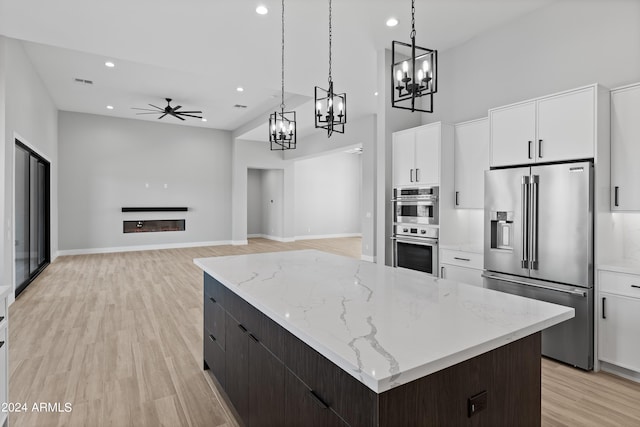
[[331, 108], [413, 73], [282, 124]]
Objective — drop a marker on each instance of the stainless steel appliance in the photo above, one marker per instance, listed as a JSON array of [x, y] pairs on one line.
[[418, 205], [539, 244], [416, 247]]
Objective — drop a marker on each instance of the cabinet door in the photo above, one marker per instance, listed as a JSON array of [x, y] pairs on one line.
[[403, 158], [470, 276], [618, 341], [266, 392], [304, 408], [471, 159], [513, 132], [237, 366], [625, 149], [427, 158], [566, 126]]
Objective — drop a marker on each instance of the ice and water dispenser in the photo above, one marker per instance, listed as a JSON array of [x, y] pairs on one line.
[[501, 230]]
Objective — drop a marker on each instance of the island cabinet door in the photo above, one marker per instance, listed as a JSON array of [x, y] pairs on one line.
[[237, 367], [303, 407], [266, 389]]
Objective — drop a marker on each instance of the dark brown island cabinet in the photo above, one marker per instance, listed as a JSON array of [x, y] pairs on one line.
[[272, 378]]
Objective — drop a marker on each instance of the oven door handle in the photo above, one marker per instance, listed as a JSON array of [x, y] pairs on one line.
[[422, 241]]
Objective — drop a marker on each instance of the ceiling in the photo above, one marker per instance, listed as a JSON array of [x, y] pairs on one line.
[[199, 51]]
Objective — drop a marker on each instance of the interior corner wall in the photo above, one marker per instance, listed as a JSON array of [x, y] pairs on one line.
[[564, 45], [31, 115], [107, 163], [254, 203], [6, 233], [328, 195]]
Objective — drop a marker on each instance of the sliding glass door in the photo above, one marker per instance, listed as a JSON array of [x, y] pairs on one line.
[[31, 216]]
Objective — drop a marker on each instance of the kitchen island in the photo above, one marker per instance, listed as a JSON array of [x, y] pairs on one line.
[[310, 338]]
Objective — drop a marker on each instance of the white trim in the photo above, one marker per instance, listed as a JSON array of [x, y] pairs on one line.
[[254, 236], [239, 242], [367, 258], [279, 239], [142, 248], [619, 371], [328, 236]]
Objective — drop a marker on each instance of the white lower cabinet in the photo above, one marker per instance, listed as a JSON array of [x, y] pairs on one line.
[[461, 266], [619, 319]]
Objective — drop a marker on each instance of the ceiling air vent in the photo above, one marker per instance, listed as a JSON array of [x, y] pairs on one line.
[[240, 106], [83, 81]]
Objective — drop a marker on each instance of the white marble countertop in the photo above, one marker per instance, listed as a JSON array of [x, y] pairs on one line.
[[384, 326], [629, 266], [474, 248]]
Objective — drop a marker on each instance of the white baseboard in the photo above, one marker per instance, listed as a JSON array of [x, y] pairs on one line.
[[619, 371], [141, 248], [276, 238], [239, 242], [327, 236], [368, 258]]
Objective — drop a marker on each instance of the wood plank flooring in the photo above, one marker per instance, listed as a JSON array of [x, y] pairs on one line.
[[119, 336]]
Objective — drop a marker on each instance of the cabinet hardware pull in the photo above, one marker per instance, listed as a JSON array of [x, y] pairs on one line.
[[529, 150], [540, 148], [457, 193], [604, 313], [461, 259], [212, 338], [242, 328], [442, 272], [411, 175], [1, 344], [417, 175], [616, 196], [212, 299], [253, 337], [321, 403], [635, 286]]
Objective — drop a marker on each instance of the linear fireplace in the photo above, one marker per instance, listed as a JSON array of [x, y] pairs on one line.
[[145, 226]]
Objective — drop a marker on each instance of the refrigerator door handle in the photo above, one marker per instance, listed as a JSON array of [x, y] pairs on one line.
[[524, 262], [535, 179], [577, 292]]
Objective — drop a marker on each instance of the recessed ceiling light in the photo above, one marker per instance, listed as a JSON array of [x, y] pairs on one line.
[[109, 64], [392, 22], [262, 10], [204, 120], [109, 107], [375, 93], [240, 89]]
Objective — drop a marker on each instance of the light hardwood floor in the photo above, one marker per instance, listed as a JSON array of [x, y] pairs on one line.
[[119, 336]]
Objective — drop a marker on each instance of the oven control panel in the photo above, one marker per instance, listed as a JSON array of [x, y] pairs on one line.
[[416, 231]]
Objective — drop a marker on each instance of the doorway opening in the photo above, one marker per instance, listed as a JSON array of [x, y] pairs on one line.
[[32, 215]]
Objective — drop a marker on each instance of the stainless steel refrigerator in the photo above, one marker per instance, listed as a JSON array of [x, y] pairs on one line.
[[539, 244]]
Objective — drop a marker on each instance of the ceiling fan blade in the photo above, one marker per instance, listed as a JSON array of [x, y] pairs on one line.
[[179, 106], [157, 112], [189, 115], [162, 116], [155, 106], [190, 112], [143, 109]]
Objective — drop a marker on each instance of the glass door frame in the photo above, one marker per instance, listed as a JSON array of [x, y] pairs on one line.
[[20, 287]]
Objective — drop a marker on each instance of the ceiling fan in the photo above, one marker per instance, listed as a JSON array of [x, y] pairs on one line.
[[172, 111]]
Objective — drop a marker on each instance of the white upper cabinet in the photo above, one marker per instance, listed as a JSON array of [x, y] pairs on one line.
[[513, 131], [471, 159], [549, 129], [416, 156], [566, 126], [428, 155], [625, 148]]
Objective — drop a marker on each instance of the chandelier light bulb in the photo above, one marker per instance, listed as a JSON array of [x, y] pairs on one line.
[[399, 76], [318, 106], [420, 75], [405, 67], [425, 67], [341, 107]]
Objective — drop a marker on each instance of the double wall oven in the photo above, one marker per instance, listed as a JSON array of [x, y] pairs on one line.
[[415, 229]]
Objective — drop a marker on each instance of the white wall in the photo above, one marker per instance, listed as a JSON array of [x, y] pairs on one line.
[[328, 195], [107, 163], [567, 44], [254, 202], [31, 116]]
